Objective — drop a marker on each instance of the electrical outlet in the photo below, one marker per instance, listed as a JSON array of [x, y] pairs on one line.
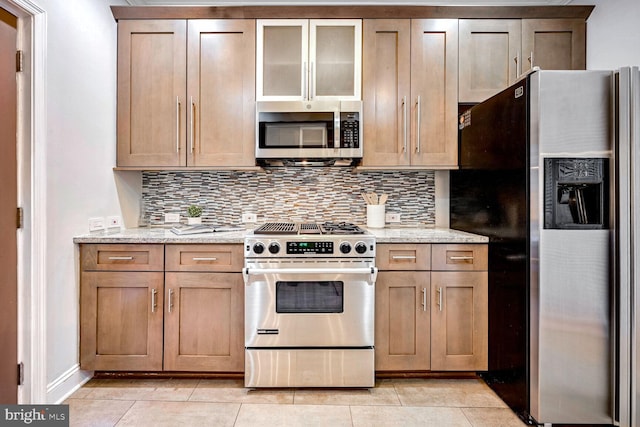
[[171, 217], [96, 224], [392, 217], [249, 217], [114, 221]]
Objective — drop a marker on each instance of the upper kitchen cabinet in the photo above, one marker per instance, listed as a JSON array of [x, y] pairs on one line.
[[151, 93], [494, 53], [304, 60], [186, 93], [221, 88], [410, 81], [554, 44]]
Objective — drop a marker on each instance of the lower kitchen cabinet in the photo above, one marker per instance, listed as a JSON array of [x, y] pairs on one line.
[[185, 315], [121, 307], [434, 317], [402, 321], [459, 334], [203, 326]]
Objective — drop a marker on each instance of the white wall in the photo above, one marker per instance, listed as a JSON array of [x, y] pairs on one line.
[[81, 141], [613, 33]]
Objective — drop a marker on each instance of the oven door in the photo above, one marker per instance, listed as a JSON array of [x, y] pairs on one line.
[[309, 304]]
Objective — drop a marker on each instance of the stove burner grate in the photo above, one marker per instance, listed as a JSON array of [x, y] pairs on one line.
[[277, 228], [341, 228]]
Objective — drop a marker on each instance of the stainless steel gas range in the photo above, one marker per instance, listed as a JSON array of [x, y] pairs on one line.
[[309, 306]]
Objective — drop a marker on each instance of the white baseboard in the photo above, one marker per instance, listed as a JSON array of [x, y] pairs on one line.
[[66, 384]]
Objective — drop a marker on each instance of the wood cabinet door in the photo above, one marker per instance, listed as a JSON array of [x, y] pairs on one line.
[[386, 91], [459, 325], [221, 93], [434, 92], [490, 58], [554, 44], [204, 322], [151, 92], [121, 321], [402, 321]]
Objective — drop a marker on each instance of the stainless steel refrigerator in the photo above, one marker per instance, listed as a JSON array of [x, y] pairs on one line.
[[538, 176], [627, 289]]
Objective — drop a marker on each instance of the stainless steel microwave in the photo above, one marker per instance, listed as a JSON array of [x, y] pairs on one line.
[[300, 130]]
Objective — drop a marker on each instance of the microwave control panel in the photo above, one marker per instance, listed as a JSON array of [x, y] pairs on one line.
[[349, 130]]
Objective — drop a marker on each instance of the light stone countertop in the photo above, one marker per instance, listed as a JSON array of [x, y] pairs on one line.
[[383, 235]]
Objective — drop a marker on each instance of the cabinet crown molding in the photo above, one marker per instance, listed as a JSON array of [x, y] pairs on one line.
[[343, 12]]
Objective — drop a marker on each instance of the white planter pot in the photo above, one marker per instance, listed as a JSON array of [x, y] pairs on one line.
[[194, 221]]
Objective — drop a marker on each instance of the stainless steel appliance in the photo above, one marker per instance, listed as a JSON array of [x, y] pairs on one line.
[[309, 130], [309, 306], [627, 308], [537, 176]]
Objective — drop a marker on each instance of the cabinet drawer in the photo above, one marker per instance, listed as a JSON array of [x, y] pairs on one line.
[[403, 256], [116, 257], [228, 258], [459, 257]]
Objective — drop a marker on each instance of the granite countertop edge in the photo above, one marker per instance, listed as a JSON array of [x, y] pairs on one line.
[[383, 235]]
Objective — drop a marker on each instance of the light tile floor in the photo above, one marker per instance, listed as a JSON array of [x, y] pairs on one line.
[[194, 402]]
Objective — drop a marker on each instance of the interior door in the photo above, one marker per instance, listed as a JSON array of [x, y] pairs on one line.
[[8, 208]]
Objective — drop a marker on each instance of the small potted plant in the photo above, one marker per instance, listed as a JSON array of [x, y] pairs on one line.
[[194, 213]]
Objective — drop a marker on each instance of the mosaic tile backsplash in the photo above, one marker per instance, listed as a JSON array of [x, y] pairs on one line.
[[287, 194]]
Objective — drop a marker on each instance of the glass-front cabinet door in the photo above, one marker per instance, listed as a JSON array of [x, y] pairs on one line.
[[305, 60]]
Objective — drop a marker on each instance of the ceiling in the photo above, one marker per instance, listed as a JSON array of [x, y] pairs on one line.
[[349, 2]]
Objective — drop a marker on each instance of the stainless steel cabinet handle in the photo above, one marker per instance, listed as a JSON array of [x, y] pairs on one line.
[[305, 81], [204, 259], [170, 302], [518, 65], [531, 59], [121, 258], [460, 258], [424, 299], [440, 298], [403, 257], [154, 303], [418, 124], [193, 112], [312, 85], [404, 125], [177, 124]]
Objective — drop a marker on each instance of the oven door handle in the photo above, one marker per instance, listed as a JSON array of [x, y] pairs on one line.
[[247, 271]]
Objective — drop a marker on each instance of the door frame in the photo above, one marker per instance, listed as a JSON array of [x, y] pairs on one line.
[[31, 153]]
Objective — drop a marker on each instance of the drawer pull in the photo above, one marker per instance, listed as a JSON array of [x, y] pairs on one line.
[[121, 258], [460, 258], [403, 257], [204, 259]]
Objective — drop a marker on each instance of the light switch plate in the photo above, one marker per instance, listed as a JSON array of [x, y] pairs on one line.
[[171, 217], [249, 217], [96, 224], [392, 217], [114, 221]]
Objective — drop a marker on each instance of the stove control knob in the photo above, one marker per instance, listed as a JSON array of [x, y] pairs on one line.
[[345, 247], [274, 247], [258, 248], [361, 247]]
